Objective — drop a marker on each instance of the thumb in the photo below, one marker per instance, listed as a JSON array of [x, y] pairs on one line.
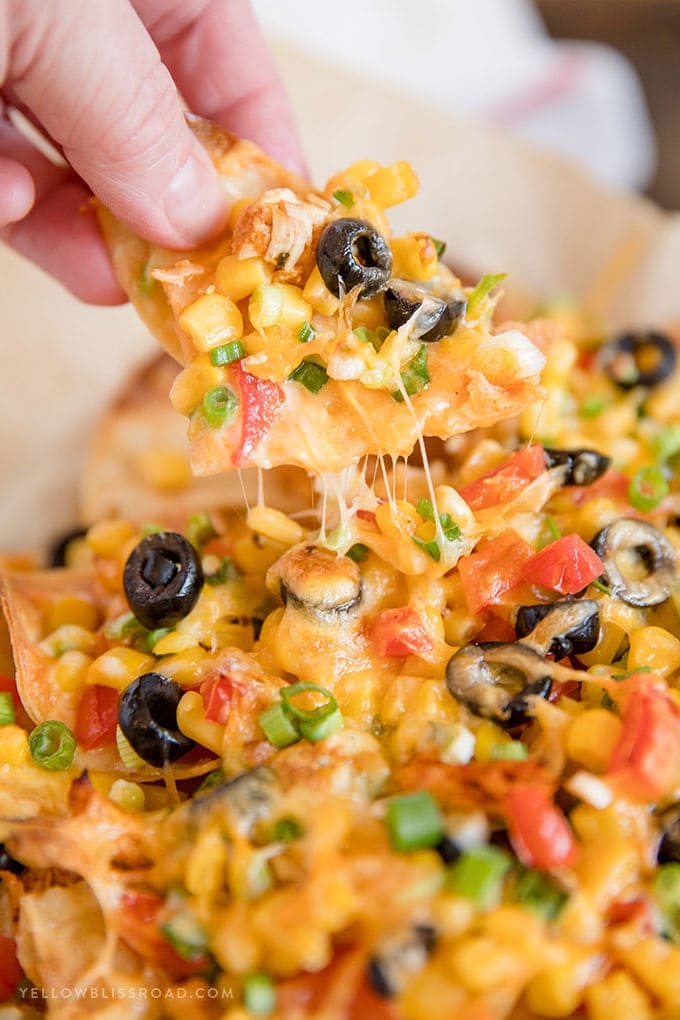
[[92, 76]]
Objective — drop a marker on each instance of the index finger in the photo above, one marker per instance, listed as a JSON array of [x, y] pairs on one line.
[[225, 71]]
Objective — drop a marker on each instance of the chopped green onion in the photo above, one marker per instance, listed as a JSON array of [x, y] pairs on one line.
[[414, 822], [364, 334], [607, 702], [310, 374], [127, 753], [592, 407], [318, 729], [415, 377], [52, 745], [200, 529], [219, 405], [439, 246], [154, 636], [259, 994], [227, 571], [478, 875], [7, 714], [358, 552], [431, 548], [186, 936], [555, 532], [120, 626], [511, 750], [631, 672], [666, 892], [486, 284], [601, 586], [666, 443], [538, 893], [226, 353], [344, 197], [145, 283], [648, 488], [306, 333], [424, 509], [308, 715], [281, 259], [212, 779], [287, 830], [277, 725]]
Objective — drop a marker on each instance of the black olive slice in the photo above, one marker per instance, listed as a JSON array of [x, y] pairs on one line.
[[8, 863], [639, 359], [162, 579], [436, 318], [639, 561], [561, 628], [398, 958], [147, 715], [498, 681], [351, 253], [669, 847], [583, 466], [59, 550]]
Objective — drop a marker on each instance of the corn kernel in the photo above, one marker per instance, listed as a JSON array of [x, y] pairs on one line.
[[70, 671], [318, 295], [656, 965], [274, 524], [66, 638], [13, 745], [193, 382], [393, 184], [237, 210], [173, 644], [192, 722], [591, 738], [415, 257], [617, 995], [207, 865], [118, 667], [185, 667], [488, 736], [237, 278], [655, 648], [278, 304], [557, 990], [165, 470], [70, 609], [127, 795], [106, 537], [211, 320], [101, 781]]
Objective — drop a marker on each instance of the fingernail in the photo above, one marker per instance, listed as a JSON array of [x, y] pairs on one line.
[[195, 204]]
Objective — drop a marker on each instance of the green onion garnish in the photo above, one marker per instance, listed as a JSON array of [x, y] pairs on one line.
[[357, 552], [414, 822], [318, 729], [211, 780], [344, 197], [511, 750], [666, 893], [145, 283], [552, 527], [592, 407], [200, 529], [601, 586], [154, 636], [478, 875], [259, 994], [287, 830], [666, 443], [7, 714], [226, 353], [364, 334], [311, 374], [308, 714], [277, 725], [415, 377], [431, 548], [227, 571], [439, 246], [186, 936], [306, 333], [648, 488], [486, 284], [219, 405], [52, 745], [448, 525], [539, 894], [127, 753]]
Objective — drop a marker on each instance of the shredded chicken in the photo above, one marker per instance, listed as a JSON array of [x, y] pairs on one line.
[[280, 227]]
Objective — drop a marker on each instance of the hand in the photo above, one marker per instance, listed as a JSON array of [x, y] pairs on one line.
[[99, 80]]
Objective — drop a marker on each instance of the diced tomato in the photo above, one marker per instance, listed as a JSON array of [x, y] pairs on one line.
[[567, 565], [506, 481], [539, 832], [261, 401], [400, 632], [366, 515], [96, 717], [638, 911], [11, 972], [493, 569], [344, 982], [646, 758], [217, 692], [496, 629], [8, 685], [613, 484], [138, 923]]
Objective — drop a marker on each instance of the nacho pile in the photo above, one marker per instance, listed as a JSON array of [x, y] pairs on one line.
[[400, 743]]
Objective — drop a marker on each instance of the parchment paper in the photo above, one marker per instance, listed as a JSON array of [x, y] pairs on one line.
[[499, 205]]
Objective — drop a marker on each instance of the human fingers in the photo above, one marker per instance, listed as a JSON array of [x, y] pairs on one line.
[[94, 79], [223, 68]]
